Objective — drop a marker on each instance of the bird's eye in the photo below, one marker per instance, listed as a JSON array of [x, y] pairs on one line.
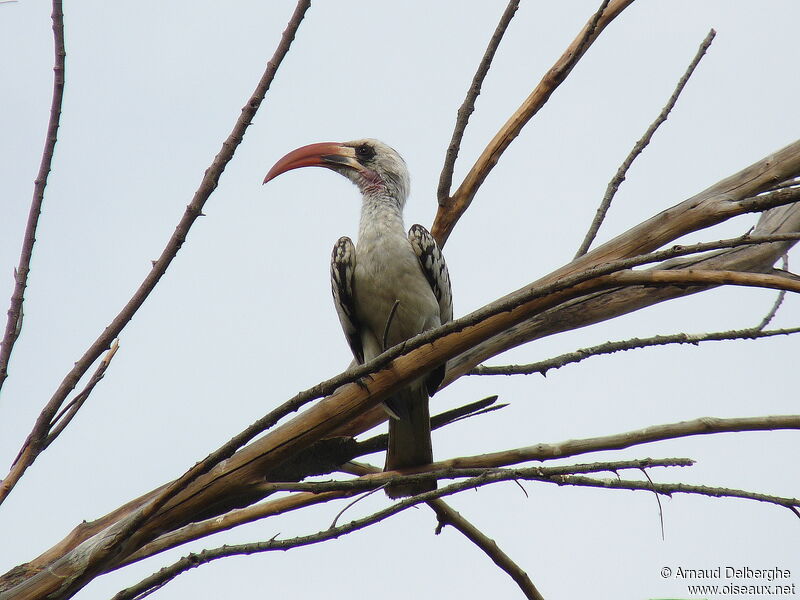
[[365, 151]]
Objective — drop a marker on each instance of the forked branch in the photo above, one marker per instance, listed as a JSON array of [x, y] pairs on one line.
[[451, 210]]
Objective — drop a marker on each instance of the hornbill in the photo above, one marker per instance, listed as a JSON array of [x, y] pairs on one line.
[[388, 288]]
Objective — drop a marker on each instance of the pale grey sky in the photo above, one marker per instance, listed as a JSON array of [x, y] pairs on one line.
[[244, 319]]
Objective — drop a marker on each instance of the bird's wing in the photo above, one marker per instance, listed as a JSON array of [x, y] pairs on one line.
[[343, 265], [435, 269]]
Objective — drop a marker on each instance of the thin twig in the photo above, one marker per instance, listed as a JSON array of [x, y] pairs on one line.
[[667, 489], [658, 501], [557, 362], [354, 502], [15, 311], [448, 214], [389, 320], [778, 301], [209, 182], [468, 106], [639, 147]]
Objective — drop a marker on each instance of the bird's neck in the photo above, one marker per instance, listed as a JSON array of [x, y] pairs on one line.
[[381, 216]]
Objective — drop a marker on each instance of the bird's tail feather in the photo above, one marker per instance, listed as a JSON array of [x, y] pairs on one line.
[[409, 439]]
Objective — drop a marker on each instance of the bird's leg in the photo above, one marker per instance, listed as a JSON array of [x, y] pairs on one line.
[[389, 324]]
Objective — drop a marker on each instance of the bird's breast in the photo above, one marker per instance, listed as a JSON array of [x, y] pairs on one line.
[[387, 271]]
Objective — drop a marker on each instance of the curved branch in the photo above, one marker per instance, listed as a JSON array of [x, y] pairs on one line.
[[15, 314], [778, 300]]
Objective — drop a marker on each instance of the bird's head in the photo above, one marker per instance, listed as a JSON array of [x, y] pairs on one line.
[[372, 165]]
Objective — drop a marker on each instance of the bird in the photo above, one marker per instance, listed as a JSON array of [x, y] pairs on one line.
[[387, 288]]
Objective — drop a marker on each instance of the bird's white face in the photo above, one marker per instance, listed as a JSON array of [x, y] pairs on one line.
[[381, 166], [370, 164]]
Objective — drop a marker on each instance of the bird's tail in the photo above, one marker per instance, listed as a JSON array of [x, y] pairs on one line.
[[409, 439]]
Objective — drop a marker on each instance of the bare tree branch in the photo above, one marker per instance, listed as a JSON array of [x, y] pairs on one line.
[[668, 489], [618, 441], [347, 411], [216, 487], [193, 560], [708, 207], [468, 106], [377, 479], [639, 147], [95, 562], [447, 515], [63, 418], [343, 407], [557, 362], [41, 429], [234, 518], [448, 214], [347, 404], [15, 313]]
